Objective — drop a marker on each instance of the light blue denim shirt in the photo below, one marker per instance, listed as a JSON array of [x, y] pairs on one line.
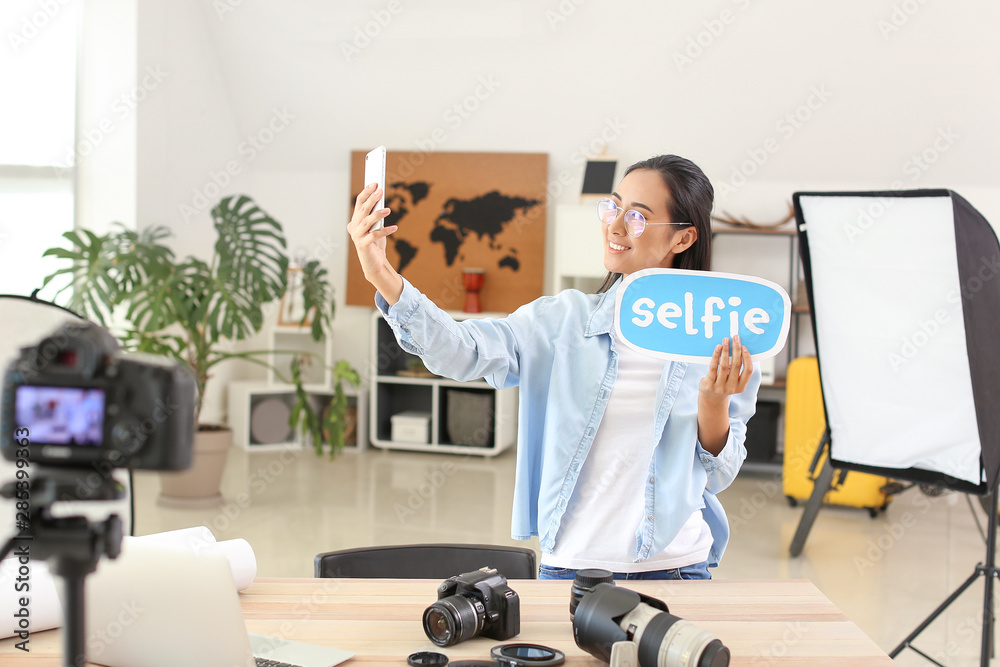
[[559, 349]]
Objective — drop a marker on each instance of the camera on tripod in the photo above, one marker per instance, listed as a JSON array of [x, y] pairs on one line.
[[77, 400], [70, 405]]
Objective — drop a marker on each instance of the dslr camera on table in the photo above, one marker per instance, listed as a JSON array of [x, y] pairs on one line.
[[616, 625]]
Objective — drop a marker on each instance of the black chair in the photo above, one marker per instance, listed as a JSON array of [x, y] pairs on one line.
[[425, 561]]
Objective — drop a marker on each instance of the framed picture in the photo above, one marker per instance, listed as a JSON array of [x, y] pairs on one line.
[[293, 305], [461, 210]]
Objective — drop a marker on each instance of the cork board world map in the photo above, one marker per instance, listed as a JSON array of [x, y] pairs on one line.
[[461, 210]]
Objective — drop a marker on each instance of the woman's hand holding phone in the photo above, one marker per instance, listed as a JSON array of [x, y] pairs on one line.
[[369, 241]]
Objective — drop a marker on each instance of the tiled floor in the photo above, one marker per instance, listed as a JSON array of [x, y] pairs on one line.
[[886, 573]]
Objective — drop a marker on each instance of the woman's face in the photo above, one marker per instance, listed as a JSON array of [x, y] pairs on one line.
[[644, 191]]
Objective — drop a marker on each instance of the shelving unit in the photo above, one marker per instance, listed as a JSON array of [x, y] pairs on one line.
[[483, 420], [799, 306], [299, 339], [773, 393], [259, 410], [258, 414]]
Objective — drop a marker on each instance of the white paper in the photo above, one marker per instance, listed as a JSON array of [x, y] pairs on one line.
[[45, 610]]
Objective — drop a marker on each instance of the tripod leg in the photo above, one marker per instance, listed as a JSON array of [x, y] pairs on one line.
[[937, 612], [822, 485], [989, 568]]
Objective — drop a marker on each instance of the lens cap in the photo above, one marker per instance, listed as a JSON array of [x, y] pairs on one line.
[[427, 659], [521, 655]]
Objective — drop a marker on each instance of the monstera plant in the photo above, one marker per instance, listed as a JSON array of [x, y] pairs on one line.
[[194, 310]]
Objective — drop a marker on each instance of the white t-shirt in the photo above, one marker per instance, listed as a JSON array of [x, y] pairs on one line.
[[606, 508]]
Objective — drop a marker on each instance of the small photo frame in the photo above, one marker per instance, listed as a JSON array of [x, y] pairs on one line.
[[293, 305], [598, 178]]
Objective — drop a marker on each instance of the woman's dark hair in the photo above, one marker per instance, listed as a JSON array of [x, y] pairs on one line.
[[691, 198]]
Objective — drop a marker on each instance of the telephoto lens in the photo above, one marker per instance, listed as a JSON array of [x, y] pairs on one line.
[[583, 583], [608, 615]]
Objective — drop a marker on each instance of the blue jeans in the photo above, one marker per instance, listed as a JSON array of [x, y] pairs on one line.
[[696, 571]]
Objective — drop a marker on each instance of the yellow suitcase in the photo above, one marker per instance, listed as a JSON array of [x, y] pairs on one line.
[[805, 423]]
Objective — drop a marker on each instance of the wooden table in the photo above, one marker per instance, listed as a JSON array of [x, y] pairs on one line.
[[762, 622]]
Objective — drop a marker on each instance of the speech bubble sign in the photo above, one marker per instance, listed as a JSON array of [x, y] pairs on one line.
[[682, 315]]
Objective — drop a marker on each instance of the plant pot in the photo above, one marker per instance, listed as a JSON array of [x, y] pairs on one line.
[[198, 486]]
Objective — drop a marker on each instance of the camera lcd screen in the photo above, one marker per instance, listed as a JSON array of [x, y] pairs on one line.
[[60, 415]]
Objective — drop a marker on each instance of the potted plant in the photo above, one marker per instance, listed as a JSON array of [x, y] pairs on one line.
[[194, 311]]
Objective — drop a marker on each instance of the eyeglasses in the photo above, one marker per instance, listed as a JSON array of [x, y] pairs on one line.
[[635, 223]]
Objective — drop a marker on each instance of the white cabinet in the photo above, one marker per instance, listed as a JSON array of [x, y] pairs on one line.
[[288, 340], [462, 417], [578, 254], [259, 411]]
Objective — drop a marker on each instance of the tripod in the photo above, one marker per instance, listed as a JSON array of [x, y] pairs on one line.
[[72, 545], [988, 570], [823, 483]]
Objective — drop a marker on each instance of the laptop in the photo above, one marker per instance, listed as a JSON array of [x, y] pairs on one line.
[[161, 605]]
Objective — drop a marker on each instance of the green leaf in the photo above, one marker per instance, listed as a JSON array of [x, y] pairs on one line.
[[317, 295], [252, 267]]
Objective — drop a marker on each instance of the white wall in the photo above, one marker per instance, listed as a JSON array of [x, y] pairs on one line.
[[109, 93], [886, 80]]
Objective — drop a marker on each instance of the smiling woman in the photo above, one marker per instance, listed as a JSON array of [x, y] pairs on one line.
[[674, 193], [671, 434]]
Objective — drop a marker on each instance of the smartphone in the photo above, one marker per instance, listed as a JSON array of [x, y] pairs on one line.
[[375, 173]]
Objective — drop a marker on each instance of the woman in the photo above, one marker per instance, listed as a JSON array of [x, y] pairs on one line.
[[620, 455]]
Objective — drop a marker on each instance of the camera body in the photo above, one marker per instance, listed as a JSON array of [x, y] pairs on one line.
[[473, 604], [77, 400]]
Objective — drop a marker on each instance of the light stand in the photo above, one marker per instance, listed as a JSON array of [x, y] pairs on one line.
[[902, 290], [71, 545], [988, 570], [821, 484]]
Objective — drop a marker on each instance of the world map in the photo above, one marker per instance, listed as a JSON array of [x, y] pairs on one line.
[[485, 216]]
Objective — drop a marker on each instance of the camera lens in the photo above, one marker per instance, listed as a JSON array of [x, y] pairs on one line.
[[584, 582], [608, 615], [453, 619], [667, 639]]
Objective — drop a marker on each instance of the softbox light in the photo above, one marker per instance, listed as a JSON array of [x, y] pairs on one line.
[[905, 298]]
